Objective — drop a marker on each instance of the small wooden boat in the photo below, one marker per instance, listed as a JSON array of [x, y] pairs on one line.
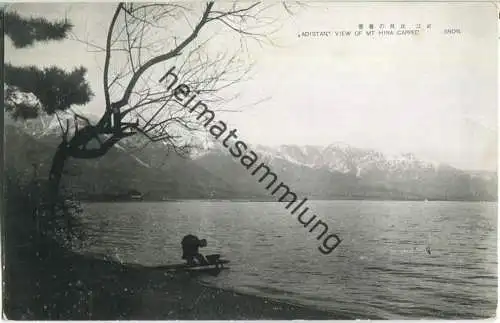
[[215, 265]]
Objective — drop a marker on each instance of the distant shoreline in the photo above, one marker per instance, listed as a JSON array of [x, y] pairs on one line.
[[274, 201]]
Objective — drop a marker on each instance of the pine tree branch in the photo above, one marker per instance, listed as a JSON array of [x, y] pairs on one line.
[[24, 32]]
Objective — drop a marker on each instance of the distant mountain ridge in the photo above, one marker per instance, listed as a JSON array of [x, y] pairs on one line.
[[337, 157], [342, 171], [336, 171]]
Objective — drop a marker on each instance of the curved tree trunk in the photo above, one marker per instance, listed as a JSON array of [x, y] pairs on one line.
[[55, 176], [56, 170], [51, 196]]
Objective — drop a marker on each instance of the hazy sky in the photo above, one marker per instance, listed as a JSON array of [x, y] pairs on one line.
[[433, 94]]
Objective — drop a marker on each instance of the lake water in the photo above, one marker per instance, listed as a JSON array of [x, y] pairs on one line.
[[380, 270]]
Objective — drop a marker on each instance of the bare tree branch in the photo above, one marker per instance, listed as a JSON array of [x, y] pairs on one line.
[[108, 54], [164, 57], [140, 37]]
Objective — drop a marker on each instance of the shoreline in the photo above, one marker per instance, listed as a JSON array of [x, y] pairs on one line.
[[274, 201], [179, 296], [214, 303], [311, 312], [65, 285]]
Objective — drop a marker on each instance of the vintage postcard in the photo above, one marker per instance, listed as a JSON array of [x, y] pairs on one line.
[[203, 160]]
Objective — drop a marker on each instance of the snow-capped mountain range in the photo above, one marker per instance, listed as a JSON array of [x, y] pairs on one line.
[[343, 158], [336, 157], [337, 170], [45, 125]]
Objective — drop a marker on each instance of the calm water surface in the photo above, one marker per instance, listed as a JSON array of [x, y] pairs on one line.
[[380, 270]]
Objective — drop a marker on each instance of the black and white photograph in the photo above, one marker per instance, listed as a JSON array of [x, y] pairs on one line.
[[245, 160]]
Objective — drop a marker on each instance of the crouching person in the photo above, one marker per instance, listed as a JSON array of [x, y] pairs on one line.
[[190, 250]]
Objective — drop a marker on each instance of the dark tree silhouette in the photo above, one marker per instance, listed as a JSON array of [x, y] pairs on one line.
[[30, 90], [139, 43]]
